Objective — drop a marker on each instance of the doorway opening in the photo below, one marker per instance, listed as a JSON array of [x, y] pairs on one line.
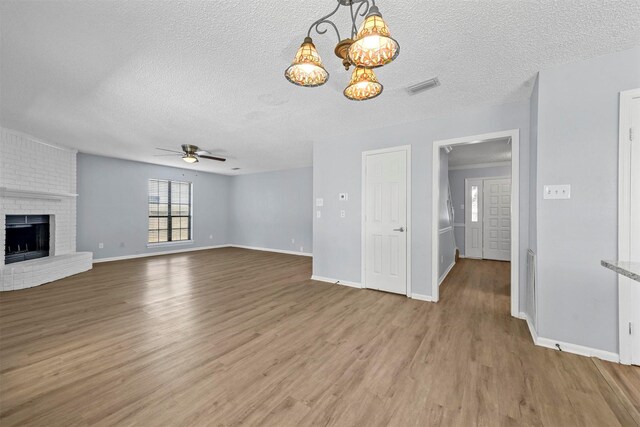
[[475, 204]]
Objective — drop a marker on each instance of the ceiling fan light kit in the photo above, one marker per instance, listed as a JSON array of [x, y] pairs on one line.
[[191, 154], [371, 46]]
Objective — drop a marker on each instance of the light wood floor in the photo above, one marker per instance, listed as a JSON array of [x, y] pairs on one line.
[[231, 336]]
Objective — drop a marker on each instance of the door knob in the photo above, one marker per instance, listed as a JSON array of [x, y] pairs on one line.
[[401, 229]]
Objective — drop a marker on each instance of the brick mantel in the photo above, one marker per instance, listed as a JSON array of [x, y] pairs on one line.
[[26, 194]]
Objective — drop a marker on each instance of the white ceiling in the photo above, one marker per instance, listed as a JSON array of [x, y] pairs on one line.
[[493, 151], [119, 78]]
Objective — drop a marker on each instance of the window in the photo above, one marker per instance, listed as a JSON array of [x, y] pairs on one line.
[[474, 203], [169, 211]]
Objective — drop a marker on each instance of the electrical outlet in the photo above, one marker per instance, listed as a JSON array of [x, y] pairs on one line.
[[293, 240], [318, 214], [343, 213], [100, 245]]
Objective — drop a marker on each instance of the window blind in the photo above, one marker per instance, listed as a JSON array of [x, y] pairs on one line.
[[169, 211]]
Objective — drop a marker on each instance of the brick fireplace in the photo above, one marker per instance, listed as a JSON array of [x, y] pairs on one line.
[[39, 185]]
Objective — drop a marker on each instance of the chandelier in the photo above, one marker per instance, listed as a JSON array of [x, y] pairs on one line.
[[369, 47]]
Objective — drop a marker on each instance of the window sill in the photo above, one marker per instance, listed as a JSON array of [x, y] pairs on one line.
[[163, 244]]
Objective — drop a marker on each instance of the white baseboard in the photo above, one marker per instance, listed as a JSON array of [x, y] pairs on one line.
[[359, 286], [148, 254], [337, 281], [569, 347], [422, 297], [532, 330], [201, 248], [446, 273], [579, 349], [280, 251]]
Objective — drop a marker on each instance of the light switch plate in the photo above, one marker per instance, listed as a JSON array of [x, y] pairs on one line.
[[343, 213], [557, 191], [343, 196], [318, 214], [319, 202]]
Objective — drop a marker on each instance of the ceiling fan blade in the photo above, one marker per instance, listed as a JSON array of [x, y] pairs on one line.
[[203, 153], [164, 155], [173, 151], [220, 159]]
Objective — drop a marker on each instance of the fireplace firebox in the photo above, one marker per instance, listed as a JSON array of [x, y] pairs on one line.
[[27, 237]]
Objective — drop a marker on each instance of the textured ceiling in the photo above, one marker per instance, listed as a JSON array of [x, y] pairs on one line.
[[498, 150], [119, 78]]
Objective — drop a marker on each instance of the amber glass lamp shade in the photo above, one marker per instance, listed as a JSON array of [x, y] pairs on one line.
[[363, 85], [307, 69], [373, 46]]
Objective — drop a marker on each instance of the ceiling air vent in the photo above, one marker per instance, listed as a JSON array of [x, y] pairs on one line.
[[422, 86]]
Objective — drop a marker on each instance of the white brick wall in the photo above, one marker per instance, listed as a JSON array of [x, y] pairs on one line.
[[27, 164]]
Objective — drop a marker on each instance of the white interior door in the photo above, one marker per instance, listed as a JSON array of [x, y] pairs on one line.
[[496, 231], [386, 221], [629, 290], [473, 218]]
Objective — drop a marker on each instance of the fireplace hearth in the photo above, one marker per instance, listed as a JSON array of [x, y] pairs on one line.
[[27, 237]]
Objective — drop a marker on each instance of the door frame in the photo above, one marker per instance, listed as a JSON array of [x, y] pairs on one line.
[[409, 229], [514, 135], [483, 178], [624, 218]]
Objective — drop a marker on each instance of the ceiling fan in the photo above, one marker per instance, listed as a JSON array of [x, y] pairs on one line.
[[191, 154]]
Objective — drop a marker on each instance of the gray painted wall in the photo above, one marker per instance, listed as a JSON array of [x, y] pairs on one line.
[[446, 240], [262, 210], [456, 180], [578, 144], [270, 209], [112, 206], [337, 168]]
